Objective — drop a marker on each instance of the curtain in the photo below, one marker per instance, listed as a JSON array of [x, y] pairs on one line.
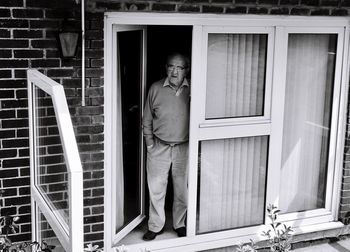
[[232, 183], [235, 75], [307, 113], [119, 184]]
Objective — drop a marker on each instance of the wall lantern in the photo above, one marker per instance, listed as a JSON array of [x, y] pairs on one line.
[[68, 38]]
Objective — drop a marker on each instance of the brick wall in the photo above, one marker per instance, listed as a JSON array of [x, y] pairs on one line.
[[28, 30], [274, 7], [27, 40]]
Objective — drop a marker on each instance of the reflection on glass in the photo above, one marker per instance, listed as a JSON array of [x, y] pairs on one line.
[[47, 235], [51, 170], [232, 180], [235, 75], [307, 121], [128, 184]]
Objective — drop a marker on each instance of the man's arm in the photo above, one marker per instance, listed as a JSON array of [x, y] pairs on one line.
[[147, 122]]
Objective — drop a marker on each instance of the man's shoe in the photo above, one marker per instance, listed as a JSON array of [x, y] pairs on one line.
[[181, 232], [150, 235]]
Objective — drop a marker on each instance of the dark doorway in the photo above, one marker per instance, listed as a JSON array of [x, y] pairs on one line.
[[161, 41]]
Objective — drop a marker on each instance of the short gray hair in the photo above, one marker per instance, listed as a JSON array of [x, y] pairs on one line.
[[177, 54]]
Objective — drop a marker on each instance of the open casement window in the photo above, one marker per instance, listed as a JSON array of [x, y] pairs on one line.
[[307, 123], [268, 106], [57, 205], [125, 152]]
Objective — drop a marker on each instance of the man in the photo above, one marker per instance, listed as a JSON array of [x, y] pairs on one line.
[[165, 127]]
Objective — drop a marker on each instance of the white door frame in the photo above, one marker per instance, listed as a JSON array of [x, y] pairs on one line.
[[198, 21]]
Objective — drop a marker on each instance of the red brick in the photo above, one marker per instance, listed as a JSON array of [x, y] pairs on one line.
[[47, 24], [212, 9], [44, 43], [5, 33], [27, 13], [11, 3], [237, 10], [8, 154], [163, 7], [13, 43], [6, 114], [14, 23], [300, 11], [27, 33], [254, 10], [310, 2], [28, 53], [279, 11], [5, 13], [137, 6], [339, 12], [189, 8], [45, 63], [320, 12], [13, 63]]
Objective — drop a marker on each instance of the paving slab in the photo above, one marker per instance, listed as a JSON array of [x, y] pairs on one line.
[[339, 246]]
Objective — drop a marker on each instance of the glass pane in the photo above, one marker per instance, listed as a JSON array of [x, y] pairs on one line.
[[50, 167], [128, 128], [47, 235], [232, 181], [307, 120], [235, 75]]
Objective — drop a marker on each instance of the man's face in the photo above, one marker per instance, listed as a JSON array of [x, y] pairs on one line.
[[176, 70]]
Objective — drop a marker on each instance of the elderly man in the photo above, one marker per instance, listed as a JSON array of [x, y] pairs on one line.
[[165, 127]]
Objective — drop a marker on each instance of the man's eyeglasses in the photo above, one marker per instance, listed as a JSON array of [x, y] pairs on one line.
[[177, 68]]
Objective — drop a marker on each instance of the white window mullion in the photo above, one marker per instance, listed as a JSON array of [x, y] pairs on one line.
[[196, 102], [233, 131], [277, 110]]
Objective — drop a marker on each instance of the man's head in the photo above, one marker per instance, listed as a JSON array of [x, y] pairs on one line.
[[177, 68]]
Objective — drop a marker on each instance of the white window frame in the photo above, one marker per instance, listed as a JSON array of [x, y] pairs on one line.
[[201, 129], [71, 237], [269, 31]]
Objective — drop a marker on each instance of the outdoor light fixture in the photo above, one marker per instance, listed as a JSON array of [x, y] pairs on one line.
[[68, 38]]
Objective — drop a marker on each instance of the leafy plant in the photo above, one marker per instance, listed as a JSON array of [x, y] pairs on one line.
[[251, 247], [90, 248], [280, 235], [9, 226]]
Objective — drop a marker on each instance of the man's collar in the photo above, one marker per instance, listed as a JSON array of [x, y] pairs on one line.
[[167, 83]]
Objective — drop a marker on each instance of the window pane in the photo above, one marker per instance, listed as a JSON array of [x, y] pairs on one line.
[[232, 178], [47, 235], [307, 120], [235, 75], [50, 167]]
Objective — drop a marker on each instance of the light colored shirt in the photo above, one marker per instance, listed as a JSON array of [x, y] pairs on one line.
[[166, 113]]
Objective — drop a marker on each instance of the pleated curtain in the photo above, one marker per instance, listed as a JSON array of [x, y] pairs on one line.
[[232, 183], [235, 75], [307, 113], [232, 172]]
